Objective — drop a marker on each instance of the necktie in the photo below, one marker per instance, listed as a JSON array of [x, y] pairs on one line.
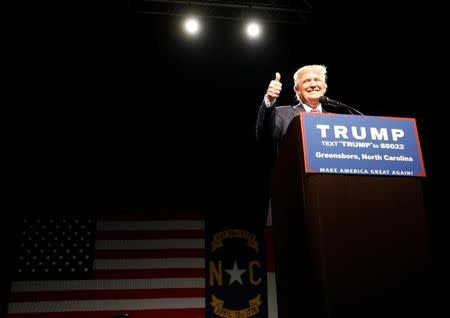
[[314, 110]]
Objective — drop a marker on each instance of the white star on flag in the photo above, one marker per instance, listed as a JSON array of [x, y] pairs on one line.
[[235, 274]]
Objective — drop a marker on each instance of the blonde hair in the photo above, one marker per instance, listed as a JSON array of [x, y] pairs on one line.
[[318, 69]]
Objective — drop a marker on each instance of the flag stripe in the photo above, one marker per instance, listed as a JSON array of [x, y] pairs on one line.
[[143, 235], [272, 306], [116, 304], [152, 263], [109, 294], [150, 273], [270, 257], [156, 253], [156, 313], [148, 244], [65, 285], [150, 225], [153, 216]]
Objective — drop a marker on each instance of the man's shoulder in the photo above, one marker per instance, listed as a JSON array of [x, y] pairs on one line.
[[285, 108], [288, 109]]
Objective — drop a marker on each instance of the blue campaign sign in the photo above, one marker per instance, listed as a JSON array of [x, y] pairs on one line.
[[366, 145]]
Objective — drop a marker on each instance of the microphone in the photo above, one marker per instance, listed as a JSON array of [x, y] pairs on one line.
[[334, 103], [331, 102]]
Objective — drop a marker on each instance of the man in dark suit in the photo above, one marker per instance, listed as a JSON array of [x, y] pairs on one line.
[[273, 121]]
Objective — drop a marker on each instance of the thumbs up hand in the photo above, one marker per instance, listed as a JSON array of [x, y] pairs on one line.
[[274, 89]]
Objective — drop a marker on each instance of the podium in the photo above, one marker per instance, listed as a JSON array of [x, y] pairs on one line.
[[348, 245]]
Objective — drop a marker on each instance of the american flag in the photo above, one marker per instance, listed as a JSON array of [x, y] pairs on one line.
[[82, 267]]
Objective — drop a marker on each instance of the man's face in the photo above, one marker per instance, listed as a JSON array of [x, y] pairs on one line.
[[310, 87]]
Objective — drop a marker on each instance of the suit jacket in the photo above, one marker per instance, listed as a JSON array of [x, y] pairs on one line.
[[273, 122]]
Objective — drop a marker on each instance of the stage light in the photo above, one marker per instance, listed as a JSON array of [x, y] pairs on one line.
[[253, 30], [192, 26]]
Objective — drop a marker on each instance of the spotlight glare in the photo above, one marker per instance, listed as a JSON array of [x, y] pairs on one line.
[[192, 26], [253, 30]]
